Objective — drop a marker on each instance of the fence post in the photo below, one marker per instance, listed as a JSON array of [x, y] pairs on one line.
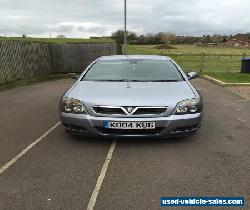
[[52, 60], [202, 62], [119, 49]]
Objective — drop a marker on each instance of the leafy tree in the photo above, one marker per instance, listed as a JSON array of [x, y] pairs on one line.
[[61, 36], [119, 36]]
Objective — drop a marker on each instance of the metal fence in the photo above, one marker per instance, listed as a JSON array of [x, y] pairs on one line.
[[22, 60], [209, 62]]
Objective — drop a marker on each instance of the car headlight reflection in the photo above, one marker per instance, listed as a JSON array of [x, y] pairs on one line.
[[189, 106], [71, 105]]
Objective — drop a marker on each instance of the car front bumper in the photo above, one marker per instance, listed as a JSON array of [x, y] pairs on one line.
[[174, 125]]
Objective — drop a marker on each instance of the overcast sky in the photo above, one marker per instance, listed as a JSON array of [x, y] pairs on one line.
[[84, 18]]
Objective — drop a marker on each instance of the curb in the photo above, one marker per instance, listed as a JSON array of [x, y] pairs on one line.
[[224, 84]]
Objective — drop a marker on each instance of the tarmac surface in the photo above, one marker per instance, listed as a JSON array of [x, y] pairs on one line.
[[61, 171]]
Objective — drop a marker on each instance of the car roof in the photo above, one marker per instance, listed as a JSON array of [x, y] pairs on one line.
[[138, 57]]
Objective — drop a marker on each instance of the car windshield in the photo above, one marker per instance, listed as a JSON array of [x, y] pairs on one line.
[[133, 70]]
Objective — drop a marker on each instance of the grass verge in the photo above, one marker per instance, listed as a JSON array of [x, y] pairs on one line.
[[230, 77], [193, 58], [56, 40]]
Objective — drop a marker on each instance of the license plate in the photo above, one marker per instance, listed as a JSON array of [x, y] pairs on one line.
[[129, 125]]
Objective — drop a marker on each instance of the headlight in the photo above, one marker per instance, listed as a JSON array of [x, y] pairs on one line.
[[189, 106], [70, 105]]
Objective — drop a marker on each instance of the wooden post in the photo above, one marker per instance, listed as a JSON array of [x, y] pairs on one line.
[[202, 62]]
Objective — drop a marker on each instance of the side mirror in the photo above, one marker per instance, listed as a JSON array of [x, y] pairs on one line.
[[192, 75], [73, 75]]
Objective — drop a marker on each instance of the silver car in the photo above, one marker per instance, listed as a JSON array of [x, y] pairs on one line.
[[132, 96]]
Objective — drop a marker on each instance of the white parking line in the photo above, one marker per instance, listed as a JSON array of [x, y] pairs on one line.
[[22, 153], [239, 94], [101, 177]]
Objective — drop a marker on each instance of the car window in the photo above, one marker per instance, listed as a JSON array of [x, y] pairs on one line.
[[132, 69]]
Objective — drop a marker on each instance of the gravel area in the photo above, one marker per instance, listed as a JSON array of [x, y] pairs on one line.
[[242, 90]]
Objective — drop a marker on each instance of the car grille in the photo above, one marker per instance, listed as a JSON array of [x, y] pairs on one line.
[[185, 129], [108, 110], [124, 132], [142, 111], [124, 110]]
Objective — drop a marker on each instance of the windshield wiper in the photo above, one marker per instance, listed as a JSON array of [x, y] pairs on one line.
[[116, 80], [120, 80], [165, 80], [135, 80], [131, 80], [104, 80]]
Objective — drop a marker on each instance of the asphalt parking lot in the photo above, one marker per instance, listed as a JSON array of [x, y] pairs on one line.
[[61, 172]]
